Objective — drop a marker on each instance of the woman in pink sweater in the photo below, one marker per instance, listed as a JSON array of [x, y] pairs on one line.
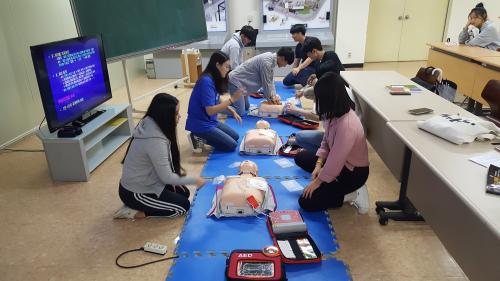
[[340, 166]]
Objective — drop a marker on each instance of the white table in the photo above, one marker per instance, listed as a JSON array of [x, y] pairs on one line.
[[449, 191], [378, 107]]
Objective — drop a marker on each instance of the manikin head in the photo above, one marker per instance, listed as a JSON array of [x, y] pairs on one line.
[[249, 167], [262, 124]]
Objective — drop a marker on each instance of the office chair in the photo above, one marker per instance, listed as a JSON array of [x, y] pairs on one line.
[[491, 94]]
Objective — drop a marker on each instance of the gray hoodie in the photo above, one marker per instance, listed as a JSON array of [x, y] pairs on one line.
[[256, 74], [487, 38], [148, 165], [233, 48]]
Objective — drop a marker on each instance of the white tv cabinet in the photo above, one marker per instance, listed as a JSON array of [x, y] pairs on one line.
[[73, 159]]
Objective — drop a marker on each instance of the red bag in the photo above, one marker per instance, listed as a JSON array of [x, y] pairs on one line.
[[290, 148], [254, 265], [298, 122], [308, 253], [257, 95]]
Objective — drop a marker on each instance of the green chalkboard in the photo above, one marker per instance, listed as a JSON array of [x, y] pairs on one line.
[[133, 27]]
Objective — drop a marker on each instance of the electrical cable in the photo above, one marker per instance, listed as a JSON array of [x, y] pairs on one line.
[[22, 150], [139, 265]]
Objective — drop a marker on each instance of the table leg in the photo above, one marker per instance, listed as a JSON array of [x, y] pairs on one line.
[[471, 104], [402, 209]]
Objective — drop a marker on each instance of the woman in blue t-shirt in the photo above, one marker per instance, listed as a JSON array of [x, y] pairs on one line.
[[204, 105]]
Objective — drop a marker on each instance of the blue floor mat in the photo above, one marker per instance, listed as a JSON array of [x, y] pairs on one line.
[[207, 234], [213, 268], [220, 163], [248, 123]]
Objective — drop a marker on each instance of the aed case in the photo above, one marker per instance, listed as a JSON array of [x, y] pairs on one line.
[[298, 122], [253, 265], [293, 239]]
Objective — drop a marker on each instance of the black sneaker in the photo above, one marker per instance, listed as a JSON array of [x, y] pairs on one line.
[[196, 143]]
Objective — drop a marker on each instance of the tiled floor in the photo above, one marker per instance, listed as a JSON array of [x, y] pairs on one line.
[[65, 231]]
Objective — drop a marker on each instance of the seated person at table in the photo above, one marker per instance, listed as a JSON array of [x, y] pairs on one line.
[[204, 105], [257, 74], [325, 61], [153, 180], [340, 166], [303, 66], [488, 35]]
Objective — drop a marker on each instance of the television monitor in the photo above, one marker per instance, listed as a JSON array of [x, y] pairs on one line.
[[72, 77]]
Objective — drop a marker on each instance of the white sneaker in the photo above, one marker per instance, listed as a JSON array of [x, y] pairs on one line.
[[359, 199], [125, 213], [196, 143]]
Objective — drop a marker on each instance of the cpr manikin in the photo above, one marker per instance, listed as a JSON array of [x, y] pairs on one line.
[[245, 194], [261, 140], [269, 109]]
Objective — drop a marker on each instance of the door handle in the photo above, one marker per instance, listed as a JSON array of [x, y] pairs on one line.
[[400, 18], [407, 17]]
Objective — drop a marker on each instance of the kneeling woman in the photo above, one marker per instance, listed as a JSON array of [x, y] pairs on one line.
[[340, 166], [152, 182], [204, 105]]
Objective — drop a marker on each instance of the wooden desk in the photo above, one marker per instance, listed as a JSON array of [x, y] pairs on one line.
[[449, 191], [488, 69], [470, 67]]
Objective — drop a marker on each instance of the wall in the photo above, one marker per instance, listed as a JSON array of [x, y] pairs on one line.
[[350, 35], [459, 10], [30, 22]]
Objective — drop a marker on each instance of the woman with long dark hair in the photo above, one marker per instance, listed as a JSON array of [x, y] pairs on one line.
[[204, 105], [339, 168], [153, 181]]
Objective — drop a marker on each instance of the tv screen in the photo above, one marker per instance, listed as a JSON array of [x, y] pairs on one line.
[[72, 77]]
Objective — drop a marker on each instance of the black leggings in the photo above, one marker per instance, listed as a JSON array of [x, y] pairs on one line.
[[329, 195], [170, 203]]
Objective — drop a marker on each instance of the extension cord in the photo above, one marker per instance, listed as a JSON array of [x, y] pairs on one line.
[[155, 248]]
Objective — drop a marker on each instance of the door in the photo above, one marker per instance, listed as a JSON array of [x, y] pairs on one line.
[[398, 30], [423, 23], [385, 22]]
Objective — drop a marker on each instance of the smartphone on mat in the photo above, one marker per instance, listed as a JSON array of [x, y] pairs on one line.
[[420, 111]]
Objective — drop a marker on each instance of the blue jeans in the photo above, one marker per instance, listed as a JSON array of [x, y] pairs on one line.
[[242, 105], [300, 78], [309, 139], [221, 137]]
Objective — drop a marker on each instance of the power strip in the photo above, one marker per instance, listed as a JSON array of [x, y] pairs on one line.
[[155, 248]]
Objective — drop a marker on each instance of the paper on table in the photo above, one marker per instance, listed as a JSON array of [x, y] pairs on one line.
[[487, 159], [234, 165], [292, 185], [284, 163]]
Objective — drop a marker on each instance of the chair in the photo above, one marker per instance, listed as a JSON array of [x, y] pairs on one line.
[[491, 94]]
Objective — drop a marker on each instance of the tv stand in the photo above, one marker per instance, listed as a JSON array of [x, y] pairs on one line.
[[91, 115], [73, 159]]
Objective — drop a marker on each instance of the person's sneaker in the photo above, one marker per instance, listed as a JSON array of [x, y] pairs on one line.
[[196, 143], [125, 213], [359, 199], [298, 86]]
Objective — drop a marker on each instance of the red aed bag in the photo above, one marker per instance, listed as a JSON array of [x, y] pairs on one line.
[[298, 122], [289, 234], [290, 148], [257, 95], [254, 265]]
